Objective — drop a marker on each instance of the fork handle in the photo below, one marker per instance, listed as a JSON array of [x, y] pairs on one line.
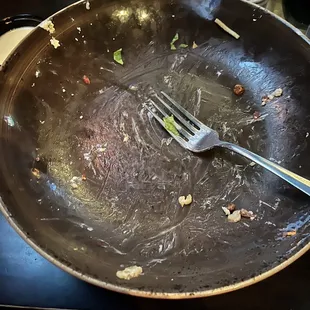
[[292, 178]]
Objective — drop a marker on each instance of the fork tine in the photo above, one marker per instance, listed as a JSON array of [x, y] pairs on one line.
[[178, 127], [193, 119], [179, 139], [179, 117]]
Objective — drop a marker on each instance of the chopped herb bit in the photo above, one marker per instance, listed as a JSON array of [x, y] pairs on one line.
[[183, 45], [117, 56], [170, 125], [175, 38]]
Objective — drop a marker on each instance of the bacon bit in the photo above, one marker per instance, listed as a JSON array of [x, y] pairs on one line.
[[86, 79], [36, 173], [239, 90], [84, 177], [290, 233], [231, 207], [256, 115]]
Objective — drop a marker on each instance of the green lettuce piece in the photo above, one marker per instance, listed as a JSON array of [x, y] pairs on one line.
[[117, 56], [182, 45], [175, 38], [170, 125]]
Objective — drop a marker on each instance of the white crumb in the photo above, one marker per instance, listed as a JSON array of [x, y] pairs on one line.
[[55, 42], [129, 272], [48, 26]]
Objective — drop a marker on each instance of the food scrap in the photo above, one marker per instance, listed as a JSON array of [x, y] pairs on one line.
[[170, 125], [290, 233], [231, 207], [194, 45], [226, 211], [234, 217], [36, 173], [174, 39], [55, 42], [227, 29], [87, 5], [117, 56], [247, 214], [74, 182], [48, 26], [126, 137], [129, 272], [86, 79], [184, 201], [276, 93], [182, 45], [239, 90], [84, 177], [256, 115]]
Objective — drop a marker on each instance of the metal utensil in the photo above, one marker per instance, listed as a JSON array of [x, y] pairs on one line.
[[197, 137]]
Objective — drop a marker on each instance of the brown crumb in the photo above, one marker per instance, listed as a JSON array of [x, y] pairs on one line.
[[86, 79], [84, 177], [239, 90], [290, 233], [256, 115], [231, 207], [36, 173]]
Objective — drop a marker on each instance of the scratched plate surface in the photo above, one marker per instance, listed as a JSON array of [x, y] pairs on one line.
[[125, 211]]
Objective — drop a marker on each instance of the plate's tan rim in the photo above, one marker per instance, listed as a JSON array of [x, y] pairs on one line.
[[149, 294]]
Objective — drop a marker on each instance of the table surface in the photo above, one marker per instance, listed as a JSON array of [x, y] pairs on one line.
[[27, 279]]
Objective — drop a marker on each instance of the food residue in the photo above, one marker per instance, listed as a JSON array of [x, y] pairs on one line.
[[185, 201], [247, 214], [129, 272], [234, 215], [174, 39], [182, 45], [36, 173], [290, 233], [170, 125], [48, 26], [117, 56], [84, 177], [226, 211], [194, 45], [87, 5], [239, 90], [75, 181], [55, 42], [126, 137], [276, 93], [231, 207], [256, 115], [227, 29], [86, 79]]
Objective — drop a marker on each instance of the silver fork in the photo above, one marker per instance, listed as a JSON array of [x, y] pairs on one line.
[[197, 137]]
